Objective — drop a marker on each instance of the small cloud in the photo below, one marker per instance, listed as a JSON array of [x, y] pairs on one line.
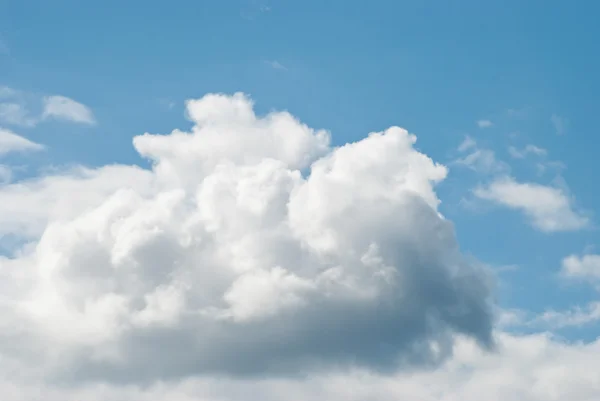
[[535, 150], [510, 318], [559, 123], [516, 153], [11, 142], [16, 114], [555, 165], [586, 267], [276, 65], [527, 150], [7, 93], [467, 144], [64, 108], [574, 317], [551, 319], [549, 209], [484, 123], [482, 161], [15, 108]]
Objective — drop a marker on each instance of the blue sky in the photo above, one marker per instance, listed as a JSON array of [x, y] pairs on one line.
[[515, 82]]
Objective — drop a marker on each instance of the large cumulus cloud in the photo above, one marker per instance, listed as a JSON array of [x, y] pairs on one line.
[[252, 247]]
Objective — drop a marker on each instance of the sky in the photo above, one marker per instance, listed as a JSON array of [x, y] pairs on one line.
[[299, 200]]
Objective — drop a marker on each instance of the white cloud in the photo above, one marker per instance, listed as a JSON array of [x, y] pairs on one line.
[[549, 209], [64, 108], [484, 123], [480, 160], [11, 142], [29, 207], [576, 316], [16, 114], [15, 109], [527, 150], [559, 123], [226, 259], [483, 161], [228, 272], [554, 165], [6, 92], [466, 144], [586, 266]]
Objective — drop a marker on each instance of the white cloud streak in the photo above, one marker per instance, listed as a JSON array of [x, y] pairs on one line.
[[16, 106], [586, 266], [16, 114], [64, 108], [11, 142], [549, 209], [480, 160], [574, 317], [484, 123], [559, 123], [526, 151], [276, 65]]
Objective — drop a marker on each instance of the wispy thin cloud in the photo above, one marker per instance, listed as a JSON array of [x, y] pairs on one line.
[[16, 114], [551, 319], [276, 65], [166, 103], [64, 108], [527, 150], [480, 160], [559, 123], [11, 142], [549, 209], [7, 93], [16, 109], [254, 9], [467, 144], [517, 112], [574, 317], [484, 123]]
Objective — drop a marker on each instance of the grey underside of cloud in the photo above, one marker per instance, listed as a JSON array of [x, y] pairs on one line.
[[225, 260], [387, 334]]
